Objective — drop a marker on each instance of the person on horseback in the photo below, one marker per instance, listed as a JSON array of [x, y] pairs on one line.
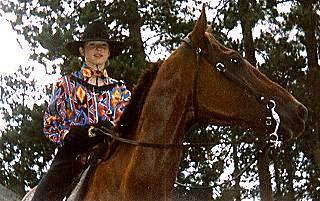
[[85, 98]]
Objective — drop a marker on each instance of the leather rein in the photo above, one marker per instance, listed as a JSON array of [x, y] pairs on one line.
[[270, 104]]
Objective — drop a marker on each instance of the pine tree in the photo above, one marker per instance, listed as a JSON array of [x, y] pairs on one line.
[[281, 55], [24, 153]]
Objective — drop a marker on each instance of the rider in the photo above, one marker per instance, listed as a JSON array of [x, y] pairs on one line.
[[88, 97]]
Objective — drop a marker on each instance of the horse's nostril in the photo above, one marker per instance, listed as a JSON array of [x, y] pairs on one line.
[[302, 112]]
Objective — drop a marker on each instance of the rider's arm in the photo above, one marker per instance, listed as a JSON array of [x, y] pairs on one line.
[[57, 116]]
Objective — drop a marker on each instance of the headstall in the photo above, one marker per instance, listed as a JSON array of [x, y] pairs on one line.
[[273, 138]]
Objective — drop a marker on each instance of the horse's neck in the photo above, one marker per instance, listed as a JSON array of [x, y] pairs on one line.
[[140, 172], [163, 120]]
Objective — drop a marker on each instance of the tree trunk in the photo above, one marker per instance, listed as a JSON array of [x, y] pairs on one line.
[[135, 22], [247, 25], [237, 192], [264, 173], [289, 166], [278, 180], [263, 160], [313, 75]]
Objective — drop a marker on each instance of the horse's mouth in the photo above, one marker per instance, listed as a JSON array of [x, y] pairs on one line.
[[292, 130], [293, 124], [289, 129]]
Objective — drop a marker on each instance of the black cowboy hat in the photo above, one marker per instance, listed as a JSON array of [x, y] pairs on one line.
[[96, 31]]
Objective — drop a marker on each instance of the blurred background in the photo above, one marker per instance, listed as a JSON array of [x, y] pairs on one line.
[[280, 37]]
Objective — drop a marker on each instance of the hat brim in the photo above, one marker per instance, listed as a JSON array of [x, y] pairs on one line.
[[115, 47]]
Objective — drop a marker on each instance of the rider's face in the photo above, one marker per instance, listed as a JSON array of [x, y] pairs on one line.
[[95, 52]]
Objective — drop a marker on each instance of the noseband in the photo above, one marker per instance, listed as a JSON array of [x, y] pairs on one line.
[[220, 66]]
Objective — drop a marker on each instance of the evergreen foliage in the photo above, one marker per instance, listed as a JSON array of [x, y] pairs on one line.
[[281, 37], [24, 153]]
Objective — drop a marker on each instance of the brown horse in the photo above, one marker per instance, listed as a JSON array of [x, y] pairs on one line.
[[189, 87]]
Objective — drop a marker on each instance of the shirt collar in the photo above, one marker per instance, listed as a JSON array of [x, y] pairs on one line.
[[88, 72]]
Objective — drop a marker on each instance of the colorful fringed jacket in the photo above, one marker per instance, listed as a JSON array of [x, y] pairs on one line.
[[75, 102]]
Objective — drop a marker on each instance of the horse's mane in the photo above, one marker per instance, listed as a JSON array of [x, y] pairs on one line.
[[128, 121]]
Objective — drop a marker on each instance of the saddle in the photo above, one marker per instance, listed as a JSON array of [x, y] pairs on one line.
[[88, 161]]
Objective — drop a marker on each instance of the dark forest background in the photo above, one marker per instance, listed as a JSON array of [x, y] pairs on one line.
[[281, 37]]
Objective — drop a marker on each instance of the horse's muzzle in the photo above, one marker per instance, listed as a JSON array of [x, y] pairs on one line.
[[293, 123]]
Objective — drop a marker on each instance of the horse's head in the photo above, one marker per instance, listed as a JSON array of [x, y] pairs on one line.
[[229, 90]]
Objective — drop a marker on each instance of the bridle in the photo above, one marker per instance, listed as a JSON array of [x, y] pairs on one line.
[[270, 104], [272, 138]]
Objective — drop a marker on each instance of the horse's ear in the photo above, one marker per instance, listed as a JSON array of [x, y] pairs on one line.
[[198, 32]]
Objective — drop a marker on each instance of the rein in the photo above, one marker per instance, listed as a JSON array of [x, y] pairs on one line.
[[116, 136], [272, 138]]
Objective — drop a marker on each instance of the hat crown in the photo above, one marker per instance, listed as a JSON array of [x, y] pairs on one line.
[[95, 31]]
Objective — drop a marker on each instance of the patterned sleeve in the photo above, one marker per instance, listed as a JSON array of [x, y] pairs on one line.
[[56, 121], [125, 96]]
